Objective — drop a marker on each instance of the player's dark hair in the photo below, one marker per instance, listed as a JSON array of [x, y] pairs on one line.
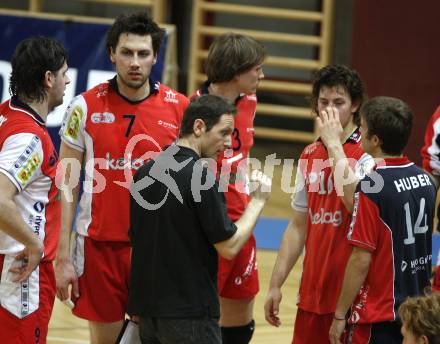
[[32, 58], [232, 54], [208, 108], [390, 119], [138, 23], [339, 76]]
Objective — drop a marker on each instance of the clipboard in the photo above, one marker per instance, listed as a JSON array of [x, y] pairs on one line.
[[129, 333]]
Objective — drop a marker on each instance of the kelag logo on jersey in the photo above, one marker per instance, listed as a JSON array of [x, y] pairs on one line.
[[122, 163]]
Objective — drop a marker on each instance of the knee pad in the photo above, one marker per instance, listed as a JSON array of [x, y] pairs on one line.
[[238, 334]]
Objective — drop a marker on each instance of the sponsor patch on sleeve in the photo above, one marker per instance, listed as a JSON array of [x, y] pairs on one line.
[[28, 169], [72, 127], [28, 162]]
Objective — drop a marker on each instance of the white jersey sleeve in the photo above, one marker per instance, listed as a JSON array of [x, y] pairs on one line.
[[72, 130], [364, 165], [300, 200], [21, 157]]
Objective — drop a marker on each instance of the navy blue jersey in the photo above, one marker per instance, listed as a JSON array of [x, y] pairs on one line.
[[393, 218]]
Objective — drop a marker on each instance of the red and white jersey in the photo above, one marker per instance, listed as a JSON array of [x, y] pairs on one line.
[[431, 149], [232, 165], [117, 136], [326, 247], [29, 160]]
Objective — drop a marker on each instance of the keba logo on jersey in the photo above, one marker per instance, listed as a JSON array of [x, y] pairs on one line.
[[323, 217], [167, 125], [170, 97], [105, 117]]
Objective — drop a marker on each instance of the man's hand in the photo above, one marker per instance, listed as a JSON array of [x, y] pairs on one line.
[[65, 275], [31, 256], [271, 306], [336, 331], [329, 126], [261, 184]]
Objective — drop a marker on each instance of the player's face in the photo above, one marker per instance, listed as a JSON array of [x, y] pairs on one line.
[[338, 98], [219, 137], [133, 59], [410, 338], [248, 81], [60, 81]]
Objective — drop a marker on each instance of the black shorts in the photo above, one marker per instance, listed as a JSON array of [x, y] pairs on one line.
[[378, 333], [179, 330]]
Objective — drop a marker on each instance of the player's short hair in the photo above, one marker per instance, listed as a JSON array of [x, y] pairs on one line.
[[208, 108], [420, 315], [339, 76], [32, 58], [390, 119], [232, 54], [139, 23]]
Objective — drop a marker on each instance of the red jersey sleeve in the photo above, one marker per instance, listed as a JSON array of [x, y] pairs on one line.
[[431, 148], [364, 231]]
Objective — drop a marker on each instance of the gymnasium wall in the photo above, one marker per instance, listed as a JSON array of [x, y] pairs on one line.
[[395, 47]]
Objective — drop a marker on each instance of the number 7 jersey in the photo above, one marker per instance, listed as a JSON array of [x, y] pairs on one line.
[[117, 137]]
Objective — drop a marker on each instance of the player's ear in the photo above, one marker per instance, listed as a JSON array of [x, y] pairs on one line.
[[376, 140], [112, 54], [155, 59], [199, 127], [355, 106], [48, 79]]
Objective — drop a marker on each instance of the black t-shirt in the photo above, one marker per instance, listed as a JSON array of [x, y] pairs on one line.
[[175, 219]]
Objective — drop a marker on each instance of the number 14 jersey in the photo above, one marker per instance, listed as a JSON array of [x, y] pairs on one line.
[[393, 221]]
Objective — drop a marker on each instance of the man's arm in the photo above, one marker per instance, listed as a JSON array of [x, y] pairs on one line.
[[355, 274], [331, 132], [245, 225], [11, 222], [70, 158], [291, 248]]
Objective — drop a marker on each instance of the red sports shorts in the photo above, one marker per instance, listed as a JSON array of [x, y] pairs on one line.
[[31, 328], [238, 278], [311, 327], [103, 269]]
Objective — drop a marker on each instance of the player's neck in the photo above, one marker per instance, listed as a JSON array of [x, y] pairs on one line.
[[133, 94], [42, 109], [379, 154], [348, 130], [188, 142], [226, 90]]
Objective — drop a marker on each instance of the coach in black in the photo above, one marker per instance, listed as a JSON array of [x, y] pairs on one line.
[[179, 224]]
